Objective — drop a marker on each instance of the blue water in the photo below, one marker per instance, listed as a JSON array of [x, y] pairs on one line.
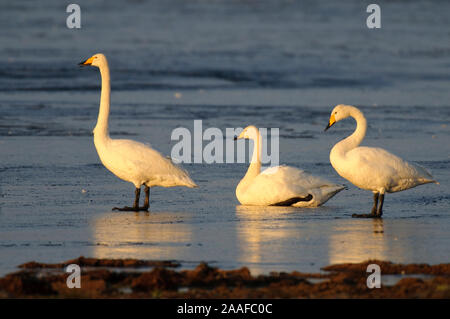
[[281, 64]]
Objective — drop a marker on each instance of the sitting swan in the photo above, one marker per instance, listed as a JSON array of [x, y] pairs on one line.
[[280, 185], [131, 161], [371, 168]]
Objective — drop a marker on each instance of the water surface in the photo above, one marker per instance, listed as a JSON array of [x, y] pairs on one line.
[[281, 64]]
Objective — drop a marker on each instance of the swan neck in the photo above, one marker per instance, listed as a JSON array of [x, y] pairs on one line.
[[361, 127], [255, 164], [101, 128], [358, 135]]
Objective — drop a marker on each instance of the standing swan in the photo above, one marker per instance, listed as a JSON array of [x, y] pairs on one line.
[[371, 168], [131, 161], [280, 185]]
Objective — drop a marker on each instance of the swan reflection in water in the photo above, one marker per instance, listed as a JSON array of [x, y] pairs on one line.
[[160, 235], [266, 235], [289, 238], [353, 242]]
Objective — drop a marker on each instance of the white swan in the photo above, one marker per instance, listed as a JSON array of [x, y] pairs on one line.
[[131, 161], [280, 185], [371, 168]]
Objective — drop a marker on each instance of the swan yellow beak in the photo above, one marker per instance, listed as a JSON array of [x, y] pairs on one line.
[[331, 122], [87, 62], [242, 135]]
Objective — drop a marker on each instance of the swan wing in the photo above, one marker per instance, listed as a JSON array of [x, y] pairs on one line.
[[280, 184], [377, 168], [146, 165]]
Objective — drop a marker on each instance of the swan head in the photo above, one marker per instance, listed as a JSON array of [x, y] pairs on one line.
[[250, 132], [339, 112], [96, 60]]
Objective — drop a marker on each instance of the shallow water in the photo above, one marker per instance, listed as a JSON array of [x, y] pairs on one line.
[[229, 64]]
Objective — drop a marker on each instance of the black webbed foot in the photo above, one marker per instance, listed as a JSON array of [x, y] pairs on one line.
[[135, 207], [131, 209], [366, 216]]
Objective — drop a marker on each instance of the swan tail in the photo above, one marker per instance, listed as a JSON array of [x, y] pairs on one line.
[[191, 184], [338, 188], [428, 181], [328, 191], [183, 178], [187, 181], [320, 195], [423, 173], [333, 190]]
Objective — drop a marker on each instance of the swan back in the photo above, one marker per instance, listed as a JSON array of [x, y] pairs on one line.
[[281, 183]]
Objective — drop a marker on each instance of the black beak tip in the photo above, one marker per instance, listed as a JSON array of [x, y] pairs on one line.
[[326, 128]]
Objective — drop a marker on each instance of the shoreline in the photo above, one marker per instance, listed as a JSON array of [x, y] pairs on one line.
[[132, 278]]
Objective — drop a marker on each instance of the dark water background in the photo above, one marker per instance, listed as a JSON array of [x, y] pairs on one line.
[[278, 64]]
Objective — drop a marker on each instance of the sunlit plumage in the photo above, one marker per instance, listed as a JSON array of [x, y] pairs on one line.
[[280, 185], [372, 168], [129, 160]]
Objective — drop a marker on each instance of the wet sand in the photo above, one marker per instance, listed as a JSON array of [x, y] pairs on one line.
[[132, 278]]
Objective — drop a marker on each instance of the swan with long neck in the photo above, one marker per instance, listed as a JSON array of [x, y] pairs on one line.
[[280, 185], [129, 160], [371, 168]]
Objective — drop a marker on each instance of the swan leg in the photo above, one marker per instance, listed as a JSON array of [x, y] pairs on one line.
[[147, 199], [375, 203], [380, 208], [137, 194], [135, 207], [376, 210]]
